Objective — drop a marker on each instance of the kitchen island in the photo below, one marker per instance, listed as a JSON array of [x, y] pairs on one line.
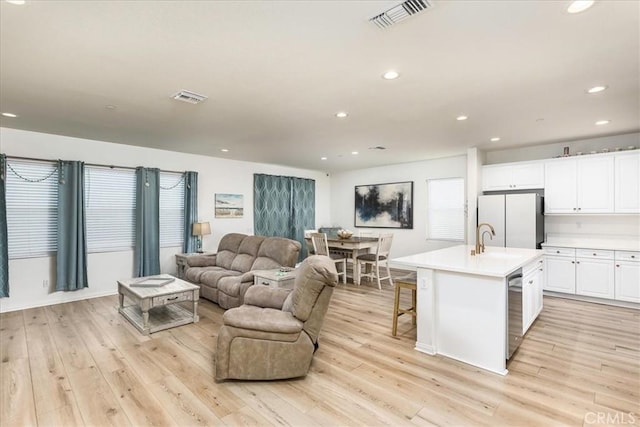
[[462, 302]]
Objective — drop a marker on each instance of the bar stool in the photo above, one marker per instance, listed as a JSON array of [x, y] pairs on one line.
[[408, 283]]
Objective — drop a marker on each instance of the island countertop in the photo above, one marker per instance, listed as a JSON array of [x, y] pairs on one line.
[[494, 262]]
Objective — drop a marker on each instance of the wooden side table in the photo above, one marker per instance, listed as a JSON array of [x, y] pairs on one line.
[[155, 308], [274, 278], [181, 262]]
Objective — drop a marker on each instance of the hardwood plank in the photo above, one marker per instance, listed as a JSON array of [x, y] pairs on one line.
[[140, 406], [51, 388], [16, 394], [12, 337], [96, 401], [183, 406]]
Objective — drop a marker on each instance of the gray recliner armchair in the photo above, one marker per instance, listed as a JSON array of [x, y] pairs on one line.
[[275, 333]]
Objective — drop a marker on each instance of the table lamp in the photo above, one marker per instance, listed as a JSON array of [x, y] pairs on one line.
[[200, 229]]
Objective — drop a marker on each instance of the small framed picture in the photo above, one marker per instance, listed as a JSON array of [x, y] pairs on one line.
[[229, 205]]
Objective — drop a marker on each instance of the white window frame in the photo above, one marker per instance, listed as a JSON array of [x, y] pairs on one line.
[[110, 202], [171, 209], [32, 208], [446, 209]]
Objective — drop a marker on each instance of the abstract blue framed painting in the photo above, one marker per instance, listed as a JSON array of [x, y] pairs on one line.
[[229, 205], [384, 205]]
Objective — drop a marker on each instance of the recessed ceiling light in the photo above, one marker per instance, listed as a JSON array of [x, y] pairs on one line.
[[18, 2], [495, 139], [461, 118], [603, 122], [596, 89], [354, 152], [224, 150], [391, 75], [10, 115], [578, 6], [341, 114], [323, 158]]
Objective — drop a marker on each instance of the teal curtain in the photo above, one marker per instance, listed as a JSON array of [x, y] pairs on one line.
[[303, 209], [190, 210], [272, 205], [71, 259], [283, 206], [4, 246], [147, 245]]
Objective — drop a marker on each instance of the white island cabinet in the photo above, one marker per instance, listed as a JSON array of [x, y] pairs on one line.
[[462, 302]]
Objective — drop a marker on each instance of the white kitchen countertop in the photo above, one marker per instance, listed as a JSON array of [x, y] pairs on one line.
[[494, 262]]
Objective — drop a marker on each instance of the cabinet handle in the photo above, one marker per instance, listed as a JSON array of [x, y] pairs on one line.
[[633, 256], [573, 262], [530, 281], [171, 299], [617, 265], [557, 252], [595, 254], [577, 262], [579, 209], [574, 209], [265, 283], [540, 269]]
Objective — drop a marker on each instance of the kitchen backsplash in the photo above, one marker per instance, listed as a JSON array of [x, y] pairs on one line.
[[614, 226]]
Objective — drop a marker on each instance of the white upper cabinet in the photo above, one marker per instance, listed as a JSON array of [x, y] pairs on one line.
[[513, 176], [627, 183], [584, 185], [595, 185], [560, 194]]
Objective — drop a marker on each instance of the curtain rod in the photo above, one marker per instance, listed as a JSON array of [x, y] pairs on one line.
[[88, 164]]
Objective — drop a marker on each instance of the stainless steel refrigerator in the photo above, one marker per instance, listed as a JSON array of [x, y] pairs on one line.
[[517, 219]]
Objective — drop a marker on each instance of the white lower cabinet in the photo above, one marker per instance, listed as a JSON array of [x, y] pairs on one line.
[[560, 270], [627, 276], [594, 273], [532, 284], [595, 276]]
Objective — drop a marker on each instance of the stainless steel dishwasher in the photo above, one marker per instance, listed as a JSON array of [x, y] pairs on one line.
[[514, 311]]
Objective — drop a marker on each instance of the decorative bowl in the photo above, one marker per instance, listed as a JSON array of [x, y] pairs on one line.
[[345, 234]]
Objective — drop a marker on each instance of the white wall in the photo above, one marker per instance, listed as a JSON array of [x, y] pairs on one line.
[[215, 175], [405, 242], [549, 151]]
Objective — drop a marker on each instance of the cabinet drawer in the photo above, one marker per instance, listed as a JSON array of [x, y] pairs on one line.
[[170, 299], [533, 267], [594, 253], [627, 256], [550, 250]]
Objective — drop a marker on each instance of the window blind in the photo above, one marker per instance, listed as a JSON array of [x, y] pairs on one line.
[[446, 209], [110, 201], [171, 209], [32, 208]]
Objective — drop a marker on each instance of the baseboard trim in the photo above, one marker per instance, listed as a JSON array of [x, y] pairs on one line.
[[66, 300]]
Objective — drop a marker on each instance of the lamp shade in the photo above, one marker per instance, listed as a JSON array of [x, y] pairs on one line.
[[201, 229]]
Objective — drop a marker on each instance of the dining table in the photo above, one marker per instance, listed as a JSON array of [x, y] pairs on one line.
[[352, 247]]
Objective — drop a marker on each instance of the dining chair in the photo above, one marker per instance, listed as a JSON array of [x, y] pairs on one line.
[[321, 247], [307, 238], [373, 261]]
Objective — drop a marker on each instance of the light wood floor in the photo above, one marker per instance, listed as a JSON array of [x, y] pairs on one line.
[[81, 363]]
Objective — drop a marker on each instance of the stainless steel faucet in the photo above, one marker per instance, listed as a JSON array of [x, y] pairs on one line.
[[480, 242]]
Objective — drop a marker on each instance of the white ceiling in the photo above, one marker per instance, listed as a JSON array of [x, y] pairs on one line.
[[276, 72]]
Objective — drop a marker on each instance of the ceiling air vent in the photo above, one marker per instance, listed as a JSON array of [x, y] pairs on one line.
[[400, 12], [190, 97]]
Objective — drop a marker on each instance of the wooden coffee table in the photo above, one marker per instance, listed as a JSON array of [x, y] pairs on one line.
[[156, 308]]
